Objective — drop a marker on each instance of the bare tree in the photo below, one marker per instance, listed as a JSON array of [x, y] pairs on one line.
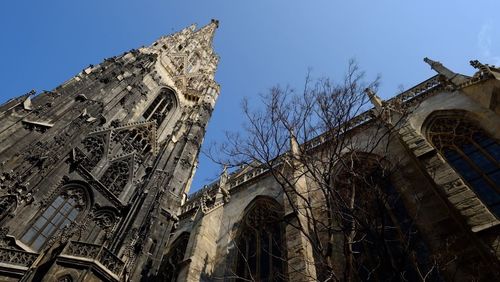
[[324, 136]]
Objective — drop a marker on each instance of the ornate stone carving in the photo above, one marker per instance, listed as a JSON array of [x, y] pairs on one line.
[[117, 176], [94, 145], [17, 257], [105, 218], [95, 252], [8, 205]]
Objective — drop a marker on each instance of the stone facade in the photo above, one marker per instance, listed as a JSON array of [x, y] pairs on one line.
[[93, 173], [451, 217]]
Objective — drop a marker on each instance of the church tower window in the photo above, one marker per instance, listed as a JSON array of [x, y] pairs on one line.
[[62, 211], [260, 244], [472, 153], [160, 107]]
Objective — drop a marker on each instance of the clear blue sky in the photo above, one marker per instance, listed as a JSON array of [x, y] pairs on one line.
[[261, 42]]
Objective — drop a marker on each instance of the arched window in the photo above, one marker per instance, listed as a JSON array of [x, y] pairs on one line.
[[116, 176], [259, 246], [61, 212], [375, 224], [160, 107], [171, 263], [472, 153]]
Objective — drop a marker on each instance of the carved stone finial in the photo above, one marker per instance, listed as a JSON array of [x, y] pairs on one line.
[[484, 69], [216, 22], [294, 144], [27, 105], [374, 98], [451, 76]]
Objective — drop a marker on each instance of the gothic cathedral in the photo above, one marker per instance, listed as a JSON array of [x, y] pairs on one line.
[[94, 172], [95, 176]]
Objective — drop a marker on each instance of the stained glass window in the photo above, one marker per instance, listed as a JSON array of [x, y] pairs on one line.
[[472, 153], [261, 255], [61, 212]]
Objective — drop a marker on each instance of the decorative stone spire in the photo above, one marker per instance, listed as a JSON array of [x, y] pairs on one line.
[[189, 58], [206, 33], [374, 98], [294, 145], [451, 76]]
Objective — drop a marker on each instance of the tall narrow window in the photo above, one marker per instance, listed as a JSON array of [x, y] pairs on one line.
[[171, 264], [63, 210], [472, 153], [375, 224], [116, 176], [260, 251], [161, 106]]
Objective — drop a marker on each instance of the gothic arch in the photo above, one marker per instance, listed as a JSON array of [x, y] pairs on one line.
[[367, 201], [105, 217], [68, 206], [172, 262], [162, 106], [95, 148], [118, 174], [102, 222], [473, 153], [259, 245]]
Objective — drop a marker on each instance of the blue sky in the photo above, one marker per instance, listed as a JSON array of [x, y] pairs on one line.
[[261, 42]]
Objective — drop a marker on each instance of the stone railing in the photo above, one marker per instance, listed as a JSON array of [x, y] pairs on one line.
[[417, 90], [95, 253], [17, 257]]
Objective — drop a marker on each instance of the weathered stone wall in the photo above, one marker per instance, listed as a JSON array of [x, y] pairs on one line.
[[457, 229]]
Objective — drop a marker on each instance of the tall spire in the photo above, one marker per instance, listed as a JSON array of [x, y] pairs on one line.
[[190, 57], [206, 33]]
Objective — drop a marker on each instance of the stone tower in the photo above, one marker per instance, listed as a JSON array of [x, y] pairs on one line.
[[93, 173]]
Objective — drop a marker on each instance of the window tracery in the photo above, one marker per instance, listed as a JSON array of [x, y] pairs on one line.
[[64, 210], [193, 62], [116, 176], [472, 153], [160, 107], [172, 262], [136, 139], [260, 251], [386, 243], [94, 145], [103, 221]]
